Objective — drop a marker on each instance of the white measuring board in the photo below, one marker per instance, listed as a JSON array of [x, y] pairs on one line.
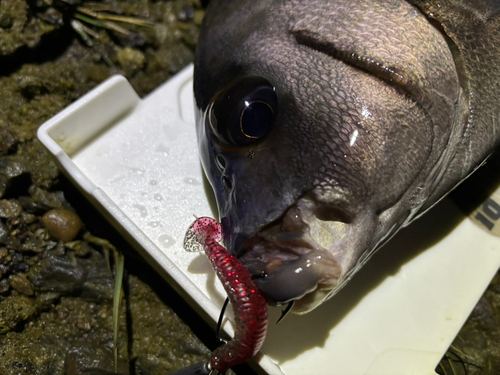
[[138, 161]]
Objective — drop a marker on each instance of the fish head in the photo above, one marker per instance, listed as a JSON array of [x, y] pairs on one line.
[[324, 127]]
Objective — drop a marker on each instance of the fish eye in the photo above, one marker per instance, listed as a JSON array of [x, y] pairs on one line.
[[243, 112]]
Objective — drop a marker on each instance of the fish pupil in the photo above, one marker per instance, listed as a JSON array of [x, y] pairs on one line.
[[243, 112], [256, 119]]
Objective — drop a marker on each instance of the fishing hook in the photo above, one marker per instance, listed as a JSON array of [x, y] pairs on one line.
[[286, 311], [221, 318]]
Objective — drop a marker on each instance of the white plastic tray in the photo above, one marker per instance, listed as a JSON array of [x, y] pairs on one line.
[[138, 161]]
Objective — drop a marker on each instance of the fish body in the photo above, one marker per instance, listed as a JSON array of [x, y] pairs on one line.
[[326, 126]]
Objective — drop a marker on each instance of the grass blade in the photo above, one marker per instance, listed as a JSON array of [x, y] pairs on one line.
[[116, 304]]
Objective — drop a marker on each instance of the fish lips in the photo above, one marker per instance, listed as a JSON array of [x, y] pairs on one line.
[[300, 257]]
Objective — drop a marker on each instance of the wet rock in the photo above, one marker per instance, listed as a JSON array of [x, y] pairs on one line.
[[4, 286], [91, 358], [29, 205], [61, 274], [20, 283], [80, 248], [4, 232], [16, 309], [36, 241], [52, 16], [63, 225], [131, 60], [17, 262], [47, 198], [12, 242], [11, 166], [99, 284], [28, 218], [6, 20], [9, 208], [47, 299], [88, 278], [56, 248]]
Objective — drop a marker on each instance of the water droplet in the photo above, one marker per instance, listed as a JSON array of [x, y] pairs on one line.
[[155, 224], [153, 182], [166, 240], [144, 194], [142, 210], [137, 171], [158, 197], [161, 148], [191, 181]]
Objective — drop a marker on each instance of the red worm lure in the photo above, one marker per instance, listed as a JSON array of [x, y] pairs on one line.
[[249, 305]]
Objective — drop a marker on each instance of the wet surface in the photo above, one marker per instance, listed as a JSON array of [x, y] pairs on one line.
[[56, 270]]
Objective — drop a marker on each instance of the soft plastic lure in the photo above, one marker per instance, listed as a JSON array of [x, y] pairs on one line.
[[250, 309]]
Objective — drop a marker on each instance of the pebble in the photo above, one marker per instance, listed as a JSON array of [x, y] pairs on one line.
[[62, 224], [9, 208], [3, 252], [20, 283]]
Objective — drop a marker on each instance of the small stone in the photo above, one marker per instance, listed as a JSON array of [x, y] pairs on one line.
[[4, 232], [47, 299], [4, 286], [130, 59], [28, 218], [80, 248], [16, 309], [9, 208], [20, 283], [47, 198], [52, 16], [6, 20], [35, 241], [62, 224], [84, 326]]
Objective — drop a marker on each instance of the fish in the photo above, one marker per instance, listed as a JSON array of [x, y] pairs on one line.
[[325, 126]]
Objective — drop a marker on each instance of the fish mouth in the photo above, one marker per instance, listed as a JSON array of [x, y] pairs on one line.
[[298, 257]]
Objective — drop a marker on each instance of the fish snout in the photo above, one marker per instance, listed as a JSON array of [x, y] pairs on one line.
[[293, 258]]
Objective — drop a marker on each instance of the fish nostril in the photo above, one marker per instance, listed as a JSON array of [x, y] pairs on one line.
[[328, 213], [227, 182], [260, 275], [293, 221], [221, 162]]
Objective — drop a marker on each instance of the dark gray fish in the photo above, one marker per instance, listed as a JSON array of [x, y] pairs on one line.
[[326, 126]]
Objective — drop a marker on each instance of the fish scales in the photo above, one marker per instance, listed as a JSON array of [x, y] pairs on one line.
[[326, 126]]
